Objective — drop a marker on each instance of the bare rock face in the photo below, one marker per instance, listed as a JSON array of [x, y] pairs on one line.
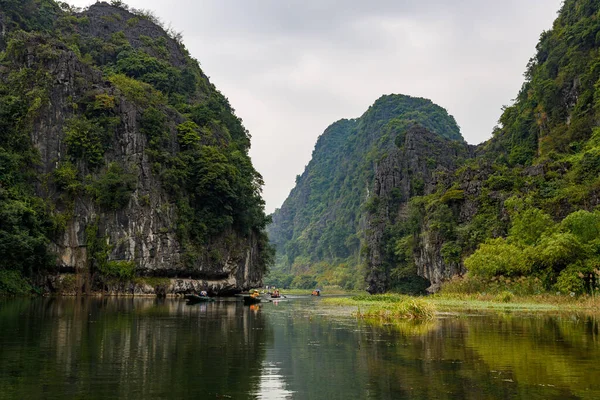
[[415, 169]]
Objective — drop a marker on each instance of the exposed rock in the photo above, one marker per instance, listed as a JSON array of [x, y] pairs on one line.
[[414, 169]]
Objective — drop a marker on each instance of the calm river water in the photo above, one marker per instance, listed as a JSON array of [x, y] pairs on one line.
[[297, 349]]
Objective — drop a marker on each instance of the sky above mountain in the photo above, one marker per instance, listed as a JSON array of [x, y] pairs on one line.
[[291, 68]]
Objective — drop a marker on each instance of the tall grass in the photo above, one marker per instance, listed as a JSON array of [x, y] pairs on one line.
[[387, 307], [408, 309]]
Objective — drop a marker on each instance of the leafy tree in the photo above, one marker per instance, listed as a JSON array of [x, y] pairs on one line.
[[496, 257], [528, 226]]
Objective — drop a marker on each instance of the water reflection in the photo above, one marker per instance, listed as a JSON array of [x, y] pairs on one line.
[[144, 348], [128, 348], [272, 383]]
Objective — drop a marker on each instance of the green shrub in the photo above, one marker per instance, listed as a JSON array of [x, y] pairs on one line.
[[85, 140], [120, 270], [188, 133], [279, 279], [65, 176], [103, 102], [451, 252], [114, 187], [559, 250], [497, 257], [137, 92], [505, 297], [529, 225], [583, 224], [303, 282], [12, 283], [453, 195], [411, 308], [471, 284]]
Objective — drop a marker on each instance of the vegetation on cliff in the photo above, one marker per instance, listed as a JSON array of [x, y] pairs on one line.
[[525, 209], [318, 230], [120, 60], [520, 214]]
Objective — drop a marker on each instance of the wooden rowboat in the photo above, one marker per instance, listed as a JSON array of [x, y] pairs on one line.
[[194, 298], [251, 300]]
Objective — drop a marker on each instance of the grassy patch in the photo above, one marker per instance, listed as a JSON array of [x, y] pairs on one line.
[[387, 307]]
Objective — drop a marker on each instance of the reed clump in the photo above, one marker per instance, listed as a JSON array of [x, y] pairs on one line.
[[408, 309], [387, 307]]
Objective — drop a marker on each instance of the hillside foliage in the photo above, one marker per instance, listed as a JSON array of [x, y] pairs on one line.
[[524, 209], [537, 208], [317, 231], [198, 146]]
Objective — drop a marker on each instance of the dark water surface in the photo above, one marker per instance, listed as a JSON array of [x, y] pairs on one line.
[[165, 349]]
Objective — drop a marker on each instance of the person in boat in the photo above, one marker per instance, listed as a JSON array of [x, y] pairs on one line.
[[203, 293], [316, 292], [255, 294], [276, 294]]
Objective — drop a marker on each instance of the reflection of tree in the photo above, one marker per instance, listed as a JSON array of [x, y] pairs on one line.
[[542, 351], [131, 348], [486, 358]]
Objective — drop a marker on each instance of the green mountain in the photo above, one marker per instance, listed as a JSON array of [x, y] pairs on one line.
[[521, 216], [318, 230], [517, 213], [122, 168]]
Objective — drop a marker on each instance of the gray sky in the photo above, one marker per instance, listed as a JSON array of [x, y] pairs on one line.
[[291, 68]]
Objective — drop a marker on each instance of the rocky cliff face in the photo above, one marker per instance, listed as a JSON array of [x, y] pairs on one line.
[[322, 220], [432, 203], [91, 125], [418, 167]]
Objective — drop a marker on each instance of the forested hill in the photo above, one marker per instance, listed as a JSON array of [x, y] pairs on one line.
[[519, 213], [318, 229], [121, 166], [523, 215]]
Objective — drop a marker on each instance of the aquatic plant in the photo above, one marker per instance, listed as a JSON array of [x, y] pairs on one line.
[[387, 307], [412, 308]]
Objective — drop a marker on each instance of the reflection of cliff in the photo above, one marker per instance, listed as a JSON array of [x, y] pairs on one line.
[[136, 348]]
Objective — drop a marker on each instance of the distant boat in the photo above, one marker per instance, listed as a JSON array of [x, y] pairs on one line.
[[194, 298], [251, 300]]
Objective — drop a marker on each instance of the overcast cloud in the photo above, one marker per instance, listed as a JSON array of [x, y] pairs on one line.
[[291, 68]]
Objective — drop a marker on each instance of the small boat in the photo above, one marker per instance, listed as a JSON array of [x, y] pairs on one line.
[[277, 296], [194, 298], [277, 300], [251, 300]]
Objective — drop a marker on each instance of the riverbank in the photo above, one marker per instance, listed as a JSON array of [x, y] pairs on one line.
[[395, 306]]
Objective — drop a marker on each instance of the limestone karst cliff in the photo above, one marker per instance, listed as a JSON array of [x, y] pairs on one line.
[[421, 164], [321, 229], [521, 207], [124, 169]]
